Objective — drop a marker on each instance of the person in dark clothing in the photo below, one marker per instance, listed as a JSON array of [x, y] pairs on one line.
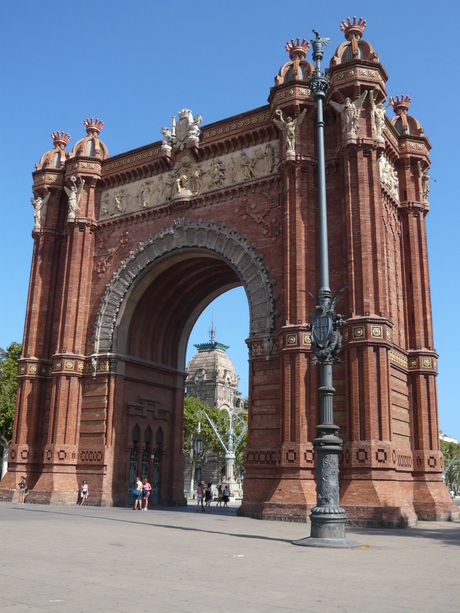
[[208, 497]]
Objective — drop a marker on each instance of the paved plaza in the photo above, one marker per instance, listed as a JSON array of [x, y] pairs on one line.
[[72, 559]]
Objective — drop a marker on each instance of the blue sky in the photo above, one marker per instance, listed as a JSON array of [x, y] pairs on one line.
[[135, 64]]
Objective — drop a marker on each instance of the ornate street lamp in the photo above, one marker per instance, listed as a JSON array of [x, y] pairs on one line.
[[327, 517], [231, 446]]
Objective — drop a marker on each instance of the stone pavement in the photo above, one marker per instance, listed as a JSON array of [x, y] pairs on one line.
[[72, 559]]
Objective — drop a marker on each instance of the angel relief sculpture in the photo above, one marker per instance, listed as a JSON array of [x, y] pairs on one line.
[[74, 195], [290, 129], [349, 112]]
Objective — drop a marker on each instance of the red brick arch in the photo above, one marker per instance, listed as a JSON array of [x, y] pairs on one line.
[[201, 237]]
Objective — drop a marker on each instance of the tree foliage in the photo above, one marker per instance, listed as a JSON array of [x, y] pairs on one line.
[[451, 453], [8, 387], [194, 420]]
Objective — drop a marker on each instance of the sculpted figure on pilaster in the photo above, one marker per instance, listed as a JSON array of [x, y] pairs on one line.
[[74, 195], [378, 115], [290, 129], [424, 182], [350, 113], [39, 205]]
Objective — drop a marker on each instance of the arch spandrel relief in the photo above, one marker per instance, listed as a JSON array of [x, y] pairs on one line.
[[190, 178]]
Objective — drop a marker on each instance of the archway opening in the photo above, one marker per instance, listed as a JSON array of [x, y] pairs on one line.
[[155, 325], [217, 390]]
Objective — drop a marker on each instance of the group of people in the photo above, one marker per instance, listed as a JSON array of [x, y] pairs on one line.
[[204, 497], [141, 493]]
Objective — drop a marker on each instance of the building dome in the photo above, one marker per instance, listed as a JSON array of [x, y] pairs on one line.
[[297, 69], [404, 123], [355, 48], [91, 146], [56, 157], [211, 376]]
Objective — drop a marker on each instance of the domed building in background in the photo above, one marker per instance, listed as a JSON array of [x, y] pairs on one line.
[[211, 376]]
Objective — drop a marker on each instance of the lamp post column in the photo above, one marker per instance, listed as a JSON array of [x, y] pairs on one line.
[[327, 517]]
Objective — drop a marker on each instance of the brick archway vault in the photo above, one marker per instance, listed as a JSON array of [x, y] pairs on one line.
[[209, 238]]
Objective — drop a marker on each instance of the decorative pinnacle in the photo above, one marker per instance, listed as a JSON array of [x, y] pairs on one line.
[[60, 139], [400, 104], [297, 51], [353, 29], [93, 127]]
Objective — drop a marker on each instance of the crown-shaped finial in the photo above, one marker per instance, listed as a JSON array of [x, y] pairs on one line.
[[400, 104], [353, 29], [297, 51], [93, 127], [60, 139]]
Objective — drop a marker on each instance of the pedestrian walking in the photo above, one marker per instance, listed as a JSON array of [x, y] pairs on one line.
[[208, 497], [138, 494], [146, 489], [199, 496], [219, 495], [225, 496], [23, 491], [83, 492]]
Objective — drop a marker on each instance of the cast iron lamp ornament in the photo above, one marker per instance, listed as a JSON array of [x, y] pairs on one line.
[[327, 517]]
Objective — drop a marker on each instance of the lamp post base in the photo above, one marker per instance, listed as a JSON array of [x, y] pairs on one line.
[[331, 543], [328, 530]]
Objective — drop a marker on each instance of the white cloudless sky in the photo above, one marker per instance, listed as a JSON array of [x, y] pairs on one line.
[[135, 64]]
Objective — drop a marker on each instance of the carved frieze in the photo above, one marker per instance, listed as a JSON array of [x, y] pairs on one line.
[[189, 178], [389, 177]]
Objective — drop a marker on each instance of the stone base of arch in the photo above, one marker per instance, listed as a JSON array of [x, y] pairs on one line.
[[369, 500], [287, 497], [432, 501]]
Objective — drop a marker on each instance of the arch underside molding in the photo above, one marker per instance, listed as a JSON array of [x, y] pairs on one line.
[[211, 238]]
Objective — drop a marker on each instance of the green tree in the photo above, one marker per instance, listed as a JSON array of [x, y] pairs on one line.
[[197, 427], [8, 388], [199, 437], [451, 453]]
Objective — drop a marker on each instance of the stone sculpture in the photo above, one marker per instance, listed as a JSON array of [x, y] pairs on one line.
[[349, 112], [166, 144], [389, 177], [39, 205], [229, 169], [184, 131], [290, 129], [378, 115], [424, 182], [74, 195]]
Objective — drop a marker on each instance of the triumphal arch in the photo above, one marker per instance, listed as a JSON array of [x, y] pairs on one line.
[[129, 250]]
